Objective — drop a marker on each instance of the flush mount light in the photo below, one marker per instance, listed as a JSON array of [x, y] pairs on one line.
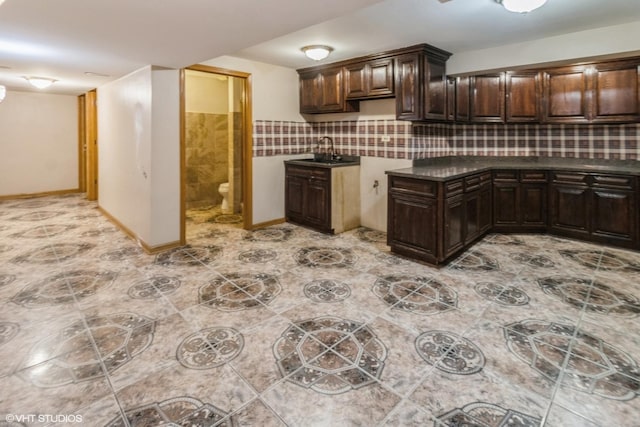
[[3, 90], [521, 6], [317, 52], [40, 82]]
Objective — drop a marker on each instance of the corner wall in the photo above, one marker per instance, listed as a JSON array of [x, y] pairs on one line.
[[139, 154], [39, 141]]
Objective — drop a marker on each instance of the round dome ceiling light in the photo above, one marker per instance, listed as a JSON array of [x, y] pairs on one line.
[[317, 52]]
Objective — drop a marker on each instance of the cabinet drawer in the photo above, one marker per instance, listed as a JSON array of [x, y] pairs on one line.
[[472, 183], [571, 178], [453, 187], [533, 176], [417, 186], [505, 175], [614, 181]]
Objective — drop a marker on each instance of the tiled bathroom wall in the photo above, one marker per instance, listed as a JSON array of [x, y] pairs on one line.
[[207, 152], [415, 141]]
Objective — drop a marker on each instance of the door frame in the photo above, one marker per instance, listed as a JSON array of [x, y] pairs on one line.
[[91, 144], [247, 147]]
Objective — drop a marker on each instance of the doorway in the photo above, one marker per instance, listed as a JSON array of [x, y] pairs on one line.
[[216, 150], [88, 145]]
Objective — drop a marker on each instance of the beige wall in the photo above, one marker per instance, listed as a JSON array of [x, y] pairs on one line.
[[618, 40], [139, 153], [38, 143]]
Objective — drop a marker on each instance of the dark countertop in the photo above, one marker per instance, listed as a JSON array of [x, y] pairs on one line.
[[451, 167], [324, 163]]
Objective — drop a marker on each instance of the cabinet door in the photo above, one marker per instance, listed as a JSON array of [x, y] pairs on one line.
[[294, 199], [506, 204], [487, 98], [570, 210], [331, 94], [412, 226], [309, 92], [614, 218], [317, 203], [454, 225], [380, 78], [451, 99], [355, 80], [566, 95], [485, 205], [435, 88], [463, 99], [472, 214], [534, 205], [616, 95], [523, 93], [408, 93]]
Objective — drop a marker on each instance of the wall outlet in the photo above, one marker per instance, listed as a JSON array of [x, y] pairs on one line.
[[385, 138]]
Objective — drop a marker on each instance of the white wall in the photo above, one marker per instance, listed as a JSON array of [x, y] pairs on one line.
[[618, 40], [274, 89], [38, 143], [138, 154]]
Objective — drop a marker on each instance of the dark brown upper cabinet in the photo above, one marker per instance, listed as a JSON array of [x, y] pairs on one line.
[[523, 97], [487, 98], [415, 75], [371, 79], [322, 91], [566, 95], [421, 84], [616, 92]]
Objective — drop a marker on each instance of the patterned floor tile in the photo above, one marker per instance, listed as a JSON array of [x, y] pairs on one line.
[[287, 326]]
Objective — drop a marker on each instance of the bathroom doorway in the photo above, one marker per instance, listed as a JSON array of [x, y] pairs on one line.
[[216, 150]]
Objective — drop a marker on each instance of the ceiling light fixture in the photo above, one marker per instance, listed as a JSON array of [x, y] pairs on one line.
[[317, 52], [521, 6], [40, 82], [3, 90]]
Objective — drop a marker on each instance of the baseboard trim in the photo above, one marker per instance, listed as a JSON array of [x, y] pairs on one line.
[[42, 194], [151, 250], [268, 223]]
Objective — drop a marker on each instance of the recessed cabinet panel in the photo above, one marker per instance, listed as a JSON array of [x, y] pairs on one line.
[[436, 87], [463, 100], [566, 94], [523, 91], [331, 98], [569, 210], [380, 78], [616, 92], [487, 98], [613, 215], [408, 96], [355, 80]]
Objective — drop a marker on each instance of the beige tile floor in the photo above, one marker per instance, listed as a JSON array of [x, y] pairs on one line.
[[286, 326]]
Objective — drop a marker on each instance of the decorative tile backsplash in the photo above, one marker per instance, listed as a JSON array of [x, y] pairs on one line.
[[417, 141]]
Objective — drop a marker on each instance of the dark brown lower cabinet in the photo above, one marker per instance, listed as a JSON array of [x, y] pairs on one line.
[[308, 196], [435, 220], [519, 201], [595, 207]]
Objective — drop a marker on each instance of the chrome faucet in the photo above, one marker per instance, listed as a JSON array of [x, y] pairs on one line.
[[331, 150]]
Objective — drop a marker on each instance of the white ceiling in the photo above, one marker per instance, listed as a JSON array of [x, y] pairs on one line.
[[64, 39]]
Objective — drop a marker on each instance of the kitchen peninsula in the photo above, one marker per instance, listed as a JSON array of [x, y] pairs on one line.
[[439, 207]]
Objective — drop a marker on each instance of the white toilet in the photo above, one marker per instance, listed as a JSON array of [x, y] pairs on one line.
[[223, 189]]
